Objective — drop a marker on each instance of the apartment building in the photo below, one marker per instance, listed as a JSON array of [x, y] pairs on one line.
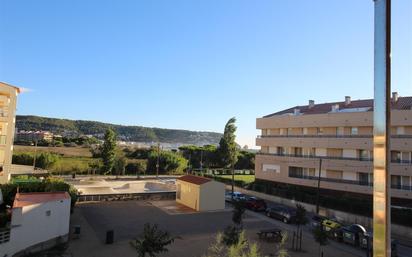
[[335, 141], [8, 97]]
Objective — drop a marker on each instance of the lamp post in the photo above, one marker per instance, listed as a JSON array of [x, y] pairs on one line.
[[381, 130]]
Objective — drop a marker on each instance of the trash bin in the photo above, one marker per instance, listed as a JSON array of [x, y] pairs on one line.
[[109, 237], [77, 230]]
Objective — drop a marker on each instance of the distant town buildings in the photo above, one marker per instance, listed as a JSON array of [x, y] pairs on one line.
[[33, 136], [335, 141]]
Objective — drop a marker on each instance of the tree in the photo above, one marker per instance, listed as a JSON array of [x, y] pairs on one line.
[[119, 165], [231, 234], [300, 220], [228, 148], [321, 237], [169, 162], [108, 151], [152, 242]]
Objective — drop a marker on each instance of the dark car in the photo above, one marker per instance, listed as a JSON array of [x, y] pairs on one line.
[[317, 221], [284, 214], [350, 234], [255, 204]]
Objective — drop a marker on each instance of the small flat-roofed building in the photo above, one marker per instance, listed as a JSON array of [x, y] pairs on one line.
[[199, 193], [39, 221]]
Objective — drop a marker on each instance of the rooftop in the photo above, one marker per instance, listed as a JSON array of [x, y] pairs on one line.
[[194, 179], [25, 199], [402, 103]]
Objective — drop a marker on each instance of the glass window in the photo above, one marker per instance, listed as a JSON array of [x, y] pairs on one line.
[[354, 130], [305, 131], [320, 131], [340, 131]]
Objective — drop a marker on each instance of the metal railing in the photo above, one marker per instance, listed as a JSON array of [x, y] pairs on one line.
[[334, 180], [317, 157], [328, 136]]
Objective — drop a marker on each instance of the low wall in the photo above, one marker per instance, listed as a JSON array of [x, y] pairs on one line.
[[398, 231], [152, 196]]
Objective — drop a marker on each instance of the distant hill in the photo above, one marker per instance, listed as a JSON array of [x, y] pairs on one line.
[[74, 128]]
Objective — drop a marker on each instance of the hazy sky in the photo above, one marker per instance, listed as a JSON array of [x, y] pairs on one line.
[[193, 64]]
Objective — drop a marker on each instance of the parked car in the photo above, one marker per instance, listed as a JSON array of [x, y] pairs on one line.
[[350, 234], [284, 214], [255, 204], [237, 196], [330, 225], [317, 220]]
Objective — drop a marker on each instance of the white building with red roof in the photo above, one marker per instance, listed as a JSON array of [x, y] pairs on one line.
[[200, 193], [39, 221]]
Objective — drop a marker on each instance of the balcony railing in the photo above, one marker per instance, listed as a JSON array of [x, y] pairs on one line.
[[334, 180], [317, 157], [407, 188], [328, 136]]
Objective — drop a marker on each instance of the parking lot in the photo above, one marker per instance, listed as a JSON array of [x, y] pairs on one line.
[[196, 230]]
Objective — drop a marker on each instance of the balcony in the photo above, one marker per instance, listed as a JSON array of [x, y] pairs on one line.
[[318, 157], [328, 136], [333, 180]]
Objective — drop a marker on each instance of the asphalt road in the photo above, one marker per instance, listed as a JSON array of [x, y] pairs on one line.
[[403, 250]]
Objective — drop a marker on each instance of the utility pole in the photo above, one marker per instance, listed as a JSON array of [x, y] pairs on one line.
[[35, 154], [158, 160], [201, 161], [318, 193], [381, 130]]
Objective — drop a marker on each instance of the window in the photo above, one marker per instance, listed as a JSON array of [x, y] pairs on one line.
[[353, 130], [295, 172], [305, 131], [270, 168], [282, 131], [320, 131], [396, 156], [363, 178], [364, 155], [400, 130], [308, 172], [340, 131], [298, 151], [280, 150], [396, 181]]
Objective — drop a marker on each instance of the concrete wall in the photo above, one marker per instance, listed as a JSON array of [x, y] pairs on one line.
[[34, 224], [212, 196]]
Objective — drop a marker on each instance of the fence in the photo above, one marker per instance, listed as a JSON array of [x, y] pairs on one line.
[[152, 196]]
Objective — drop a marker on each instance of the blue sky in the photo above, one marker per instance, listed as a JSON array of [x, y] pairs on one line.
[[193, 64]]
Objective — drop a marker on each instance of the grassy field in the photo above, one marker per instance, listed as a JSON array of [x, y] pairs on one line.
[[245, 178], [64, 151]]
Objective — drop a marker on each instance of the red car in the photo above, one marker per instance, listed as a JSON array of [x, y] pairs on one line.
[[255, 204]]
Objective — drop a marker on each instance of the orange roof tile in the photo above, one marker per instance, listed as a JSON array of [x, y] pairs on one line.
[[194, 179], [25, 199]]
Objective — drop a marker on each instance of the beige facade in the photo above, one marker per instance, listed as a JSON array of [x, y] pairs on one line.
[[200, 194], [8, 98], [341, 134]]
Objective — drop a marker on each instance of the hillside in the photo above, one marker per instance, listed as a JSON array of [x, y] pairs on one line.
[[125, 133]]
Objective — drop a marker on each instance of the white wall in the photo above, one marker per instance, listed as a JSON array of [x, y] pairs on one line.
[[32, 226], [212, 196], [189, 194]]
